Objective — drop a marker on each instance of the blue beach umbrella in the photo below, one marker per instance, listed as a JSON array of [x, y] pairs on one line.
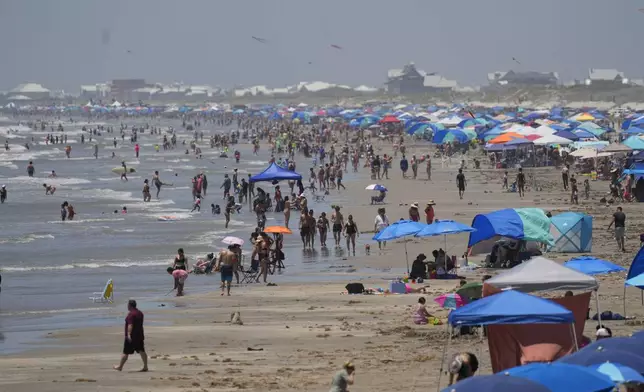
[[444, 228], [563, 377], [496, 383], [400, 229], [376, 187], [618, 373], [596, 356]]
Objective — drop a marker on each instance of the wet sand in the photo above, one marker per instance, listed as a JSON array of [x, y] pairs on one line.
[[306, 331]]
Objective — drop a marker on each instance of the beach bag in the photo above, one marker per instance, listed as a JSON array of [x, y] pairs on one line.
[[355, 288]]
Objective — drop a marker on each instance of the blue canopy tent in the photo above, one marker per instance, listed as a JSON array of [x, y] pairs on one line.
[[572, 233], [636, 270], [583, 134], [593, 266], [509, 307], [568, 135], [633, 131], [635, 142], [275, 173], [528, 224]]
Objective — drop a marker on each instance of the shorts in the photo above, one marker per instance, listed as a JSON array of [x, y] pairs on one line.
[[461, 187], [304, 231], [337, 227], [226, 273], [620, 232], [132, 346]]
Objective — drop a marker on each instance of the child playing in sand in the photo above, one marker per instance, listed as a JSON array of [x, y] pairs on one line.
[[421, 314]]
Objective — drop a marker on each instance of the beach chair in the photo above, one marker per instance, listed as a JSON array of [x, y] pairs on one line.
[[105, 296], [380, 199], [249, 274]]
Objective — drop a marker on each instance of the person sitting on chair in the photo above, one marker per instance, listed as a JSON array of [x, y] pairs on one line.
[[379, 198]]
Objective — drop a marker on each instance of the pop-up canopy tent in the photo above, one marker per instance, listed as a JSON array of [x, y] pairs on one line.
[[512, 308], [572, 233], [275, 173], [541, 274], [510, 343], [529, 224], [635, 270]]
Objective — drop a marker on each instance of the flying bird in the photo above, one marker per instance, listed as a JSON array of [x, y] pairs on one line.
[[515, 60], [261, 40], [336, 47]]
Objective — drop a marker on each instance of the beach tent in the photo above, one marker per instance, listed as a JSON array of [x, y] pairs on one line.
[[635, 142], [505, 137], [529, 224], [552, 139], [541, 274], [635, 270], [572, 232], [510, 307], [617, 147], [275, 173], [518, 315]]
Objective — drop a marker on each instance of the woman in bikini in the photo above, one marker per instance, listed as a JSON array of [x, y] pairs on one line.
[[351, 231], [180, 261]]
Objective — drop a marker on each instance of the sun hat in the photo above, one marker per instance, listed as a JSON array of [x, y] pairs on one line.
[[431, 203], [414, 205]]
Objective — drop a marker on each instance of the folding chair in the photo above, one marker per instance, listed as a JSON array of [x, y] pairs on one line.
[[105, 296], [251, 273]]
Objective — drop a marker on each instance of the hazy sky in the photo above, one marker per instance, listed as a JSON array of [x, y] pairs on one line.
[[65, 43]]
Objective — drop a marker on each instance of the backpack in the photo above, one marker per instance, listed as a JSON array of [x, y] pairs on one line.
[[355, 288]]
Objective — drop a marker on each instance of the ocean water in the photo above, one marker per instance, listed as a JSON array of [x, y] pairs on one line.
[[50, 268]]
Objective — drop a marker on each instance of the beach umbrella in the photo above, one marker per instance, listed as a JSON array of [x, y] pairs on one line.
[[638, 335], [444, 228], [277, 230], [376, 187], [496, 383], [450, 301], [233, 241], [400, 229], [470, 291], [595, 356], [618, 373], [563, 377]]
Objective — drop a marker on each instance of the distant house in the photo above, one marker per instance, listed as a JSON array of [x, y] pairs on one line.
[[408, 80], [94, 91], [437, 83], [123, 89], [525, 78], [31, 91], [605, 77]]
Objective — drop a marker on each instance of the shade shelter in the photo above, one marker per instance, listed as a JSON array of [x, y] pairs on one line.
[[528, 224], [564, 377], [275, 173], [400, 229], [635, 276], [531, 343], [498, 382], [511, 307], [572, 233]]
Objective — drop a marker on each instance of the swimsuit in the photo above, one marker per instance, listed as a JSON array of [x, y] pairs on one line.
[[226, 273]]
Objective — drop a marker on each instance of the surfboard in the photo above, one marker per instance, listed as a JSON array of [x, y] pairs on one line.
[[167, 218], [119, 170]]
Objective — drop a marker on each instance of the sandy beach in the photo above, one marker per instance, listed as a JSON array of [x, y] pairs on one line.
[[295, 336]]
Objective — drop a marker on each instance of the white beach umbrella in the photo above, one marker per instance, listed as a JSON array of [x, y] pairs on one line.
[[233, 241]]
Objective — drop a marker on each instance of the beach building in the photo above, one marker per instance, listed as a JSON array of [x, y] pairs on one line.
[[605, 78], [123, 89], [96, 91], [523, 79], [408, 80], [30, 91], [436, 83]]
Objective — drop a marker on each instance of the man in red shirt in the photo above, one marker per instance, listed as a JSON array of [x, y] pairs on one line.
[[429, 212], [133, 336]]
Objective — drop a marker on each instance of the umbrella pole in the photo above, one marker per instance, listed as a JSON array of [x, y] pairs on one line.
[[446, 255], [599, 313], [447, 344], [406, 257]]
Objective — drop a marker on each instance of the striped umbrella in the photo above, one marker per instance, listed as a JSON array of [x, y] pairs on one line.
[[450, 301]]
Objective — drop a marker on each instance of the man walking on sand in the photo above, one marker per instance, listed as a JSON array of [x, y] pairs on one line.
[[521, 183], [133, 336], [619, 220], [461, 183], [226, 266]]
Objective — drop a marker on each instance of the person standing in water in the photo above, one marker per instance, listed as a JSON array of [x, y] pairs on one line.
[[180, 261], [338, 225], [63, 211], [157, 182], [49, 189], [136, 150], [351, 231], [226, 186], [30, 169], [124, 174], [146, 191], [204, 183], [96, 151], [3, 194], [134, 337]]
